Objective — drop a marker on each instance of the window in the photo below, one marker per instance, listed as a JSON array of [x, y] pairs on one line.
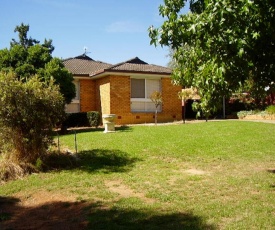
[[74, 106], [141, 89]]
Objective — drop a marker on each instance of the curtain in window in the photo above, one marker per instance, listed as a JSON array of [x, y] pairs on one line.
[[137, 88]]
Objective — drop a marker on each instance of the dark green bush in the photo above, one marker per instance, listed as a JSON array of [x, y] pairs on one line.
[[76, 120], [93, 118]]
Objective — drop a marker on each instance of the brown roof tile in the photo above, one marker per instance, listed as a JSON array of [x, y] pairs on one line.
[[86, 66], [137, 65]]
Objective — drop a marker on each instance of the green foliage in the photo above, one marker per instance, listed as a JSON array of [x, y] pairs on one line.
[[156, 98], [242, 114], [94, 118], [265, 114], [270, 109], [76, 120], [214, 48], [28, 113], [28, 57], [63, 78]]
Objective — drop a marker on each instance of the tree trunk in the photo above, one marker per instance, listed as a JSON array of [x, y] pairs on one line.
[[184, 111], [156, 116]]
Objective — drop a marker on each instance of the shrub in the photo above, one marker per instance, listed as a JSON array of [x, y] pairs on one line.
[[29, 110], [270, 109], [93, 118], [76, 120], [243, 114]]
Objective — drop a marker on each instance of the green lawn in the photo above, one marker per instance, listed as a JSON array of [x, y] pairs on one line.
[[210, 175]]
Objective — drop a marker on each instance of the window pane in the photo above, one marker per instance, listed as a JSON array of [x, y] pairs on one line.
[[151, 86], [137, 88], [150, 107], [137, 106]]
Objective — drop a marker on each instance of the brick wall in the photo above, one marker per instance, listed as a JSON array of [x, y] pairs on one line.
[[87, 95], [121, 99], [171, 102], [120, 94], [112, 95], [103, 95]]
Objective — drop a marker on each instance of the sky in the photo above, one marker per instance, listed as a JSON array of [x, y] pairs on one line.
[[111, 31]]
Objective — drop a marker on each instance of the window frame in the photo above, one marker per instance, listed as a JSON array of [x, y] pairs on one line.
[[146, 100]]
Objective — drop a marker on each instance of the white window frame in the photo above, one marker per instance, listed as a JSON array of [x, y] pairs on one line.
[[149, 106]]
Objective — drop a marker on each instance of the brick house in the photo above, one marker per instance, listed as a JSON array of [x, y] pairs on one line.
[[123, 89]]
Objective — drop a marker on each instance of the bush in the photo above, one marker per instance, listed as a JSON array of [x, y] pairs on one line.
[[76, 120], [270, 109], [93, 118], [243, 114], [29, 110]]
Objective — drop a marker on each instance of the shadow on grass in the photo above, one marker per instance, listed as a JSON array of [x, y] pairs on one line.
[[127, 219], [271, 170], [123, 128], [84, 215], [96, 160], [49, 215]]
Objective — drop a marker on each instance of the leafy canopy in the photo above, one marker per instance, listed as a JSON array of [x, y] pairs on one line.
[[219, 46], [27, 57]]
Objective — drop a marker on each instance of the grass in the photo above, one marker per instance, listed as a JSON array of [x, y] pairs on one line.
[[212, 175]]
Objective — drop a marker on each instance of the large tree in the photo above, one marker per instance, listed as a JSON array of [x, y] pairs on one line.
[[219, 46], [27, 57]]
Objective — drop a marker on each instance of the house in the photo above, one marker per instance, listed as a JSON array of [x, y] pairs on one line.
[[123, 89]]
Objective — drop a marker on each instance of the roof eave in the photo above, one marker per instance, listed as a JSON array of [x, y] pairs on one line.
[[127, 73]]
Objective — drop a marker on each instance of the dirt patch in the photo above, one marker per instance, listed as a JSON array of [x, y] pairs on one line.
[[124, 191], [42, 210], [195, 172]]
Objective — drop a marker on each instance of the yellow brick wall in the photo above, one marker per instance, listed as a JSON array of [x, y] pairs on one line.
[[120, 94], [121, 99], [103, 95], [171, 102], [87, 95], [111, 95]]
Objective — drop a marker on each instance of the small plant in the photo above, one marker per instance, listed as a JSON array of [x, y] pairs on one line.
[[270, 109], [93, 118], [245, 113], [156, 98]]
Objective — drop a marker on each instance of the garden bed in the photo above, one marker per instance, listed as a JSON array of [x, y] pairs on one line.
[[258, 117]]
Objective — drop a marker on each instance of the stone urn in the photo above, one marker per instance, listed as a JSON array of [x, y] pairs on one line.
[[109, 122]]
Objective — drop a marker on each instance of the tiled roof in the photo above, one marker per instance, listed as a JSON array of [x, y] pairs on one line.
[[84, 65], [137, 65]]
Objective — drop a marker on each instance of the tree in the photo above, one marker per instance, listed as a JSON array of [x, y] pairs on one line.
[[216, 50], [27, 57], [156, 98], [29, 110]]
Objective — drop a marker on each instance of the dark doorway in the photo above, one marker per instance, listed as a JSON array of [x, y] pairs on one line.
[[189, 113]]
